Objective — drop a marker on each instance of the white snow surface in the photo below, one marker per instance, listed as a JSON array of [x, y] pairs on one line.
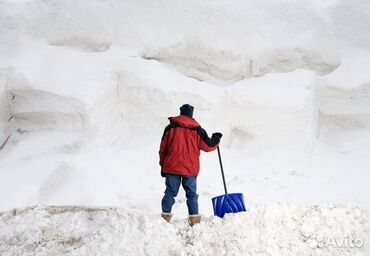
[[85, 91], [279, 229]]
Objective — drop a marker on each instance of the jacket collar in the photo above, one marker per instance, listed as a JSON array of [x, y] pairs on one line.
[[184, 121]]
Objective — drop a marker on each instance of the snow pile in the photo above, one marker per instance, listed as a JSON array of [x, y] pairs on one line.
[[280, 229]]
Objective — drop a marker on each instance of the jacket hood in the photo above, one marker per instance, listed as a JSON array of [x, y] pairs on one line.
[[184, 121]]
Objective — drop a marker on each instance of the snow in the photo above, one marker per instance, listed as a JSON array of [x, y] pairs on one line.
[[6, 117], [279, 229], [351, 73], [85, 91]]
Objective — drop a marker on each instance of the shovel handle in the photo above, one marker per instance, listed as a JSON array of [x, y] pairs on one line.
[[222, 169]]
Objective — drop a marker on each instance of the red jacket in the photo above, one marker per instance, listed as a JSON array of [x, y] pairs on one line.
[[180, 147]]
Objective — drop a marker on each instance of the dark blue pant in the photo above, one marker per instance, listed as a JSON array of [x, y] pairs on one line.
[[172, 188]]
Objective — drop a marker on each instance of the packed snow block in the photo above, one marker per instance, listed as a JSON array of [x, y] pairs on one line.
[[274, 108], [35, 110], [34, 107], [205, 63], [344, 108], [5, 116], [147, 100], [198, 61], [253, 122], [146, 109]]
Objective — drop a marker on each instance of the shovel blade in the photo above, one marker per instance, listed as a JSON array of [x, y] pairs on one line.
[[230, 203]]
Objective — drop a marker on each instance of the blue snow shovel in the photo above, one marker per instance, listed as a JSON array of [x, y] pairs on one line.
[[228, 203]]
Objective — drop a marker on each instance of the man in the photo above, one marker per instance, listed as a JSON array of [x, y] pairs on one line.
[[179, 154]]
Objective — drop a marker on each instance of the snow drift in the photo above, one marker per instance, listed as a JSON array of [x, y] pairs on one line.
[[281, 229]]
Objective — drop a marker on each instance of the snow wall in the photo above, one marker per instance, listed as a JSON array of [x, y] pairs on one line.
[[99, 66]]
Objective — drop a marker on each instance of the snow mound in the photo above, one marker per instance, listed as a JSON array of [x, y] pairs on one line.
[[280, 229]]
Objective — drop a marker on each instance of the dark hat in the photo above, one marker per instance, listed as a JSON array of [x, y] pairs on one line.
[[187, 110]]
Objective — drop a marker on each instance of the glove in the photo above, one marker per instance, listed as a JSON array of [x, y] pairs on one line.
[[217, 135]]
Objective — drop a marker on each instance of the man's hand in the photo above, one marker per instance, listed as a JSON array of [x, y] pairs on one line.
[[217, 135]]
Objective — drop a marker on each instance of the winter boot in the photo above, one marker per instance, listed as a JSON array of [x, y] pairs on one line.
[[194, 219], [167, 216]]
